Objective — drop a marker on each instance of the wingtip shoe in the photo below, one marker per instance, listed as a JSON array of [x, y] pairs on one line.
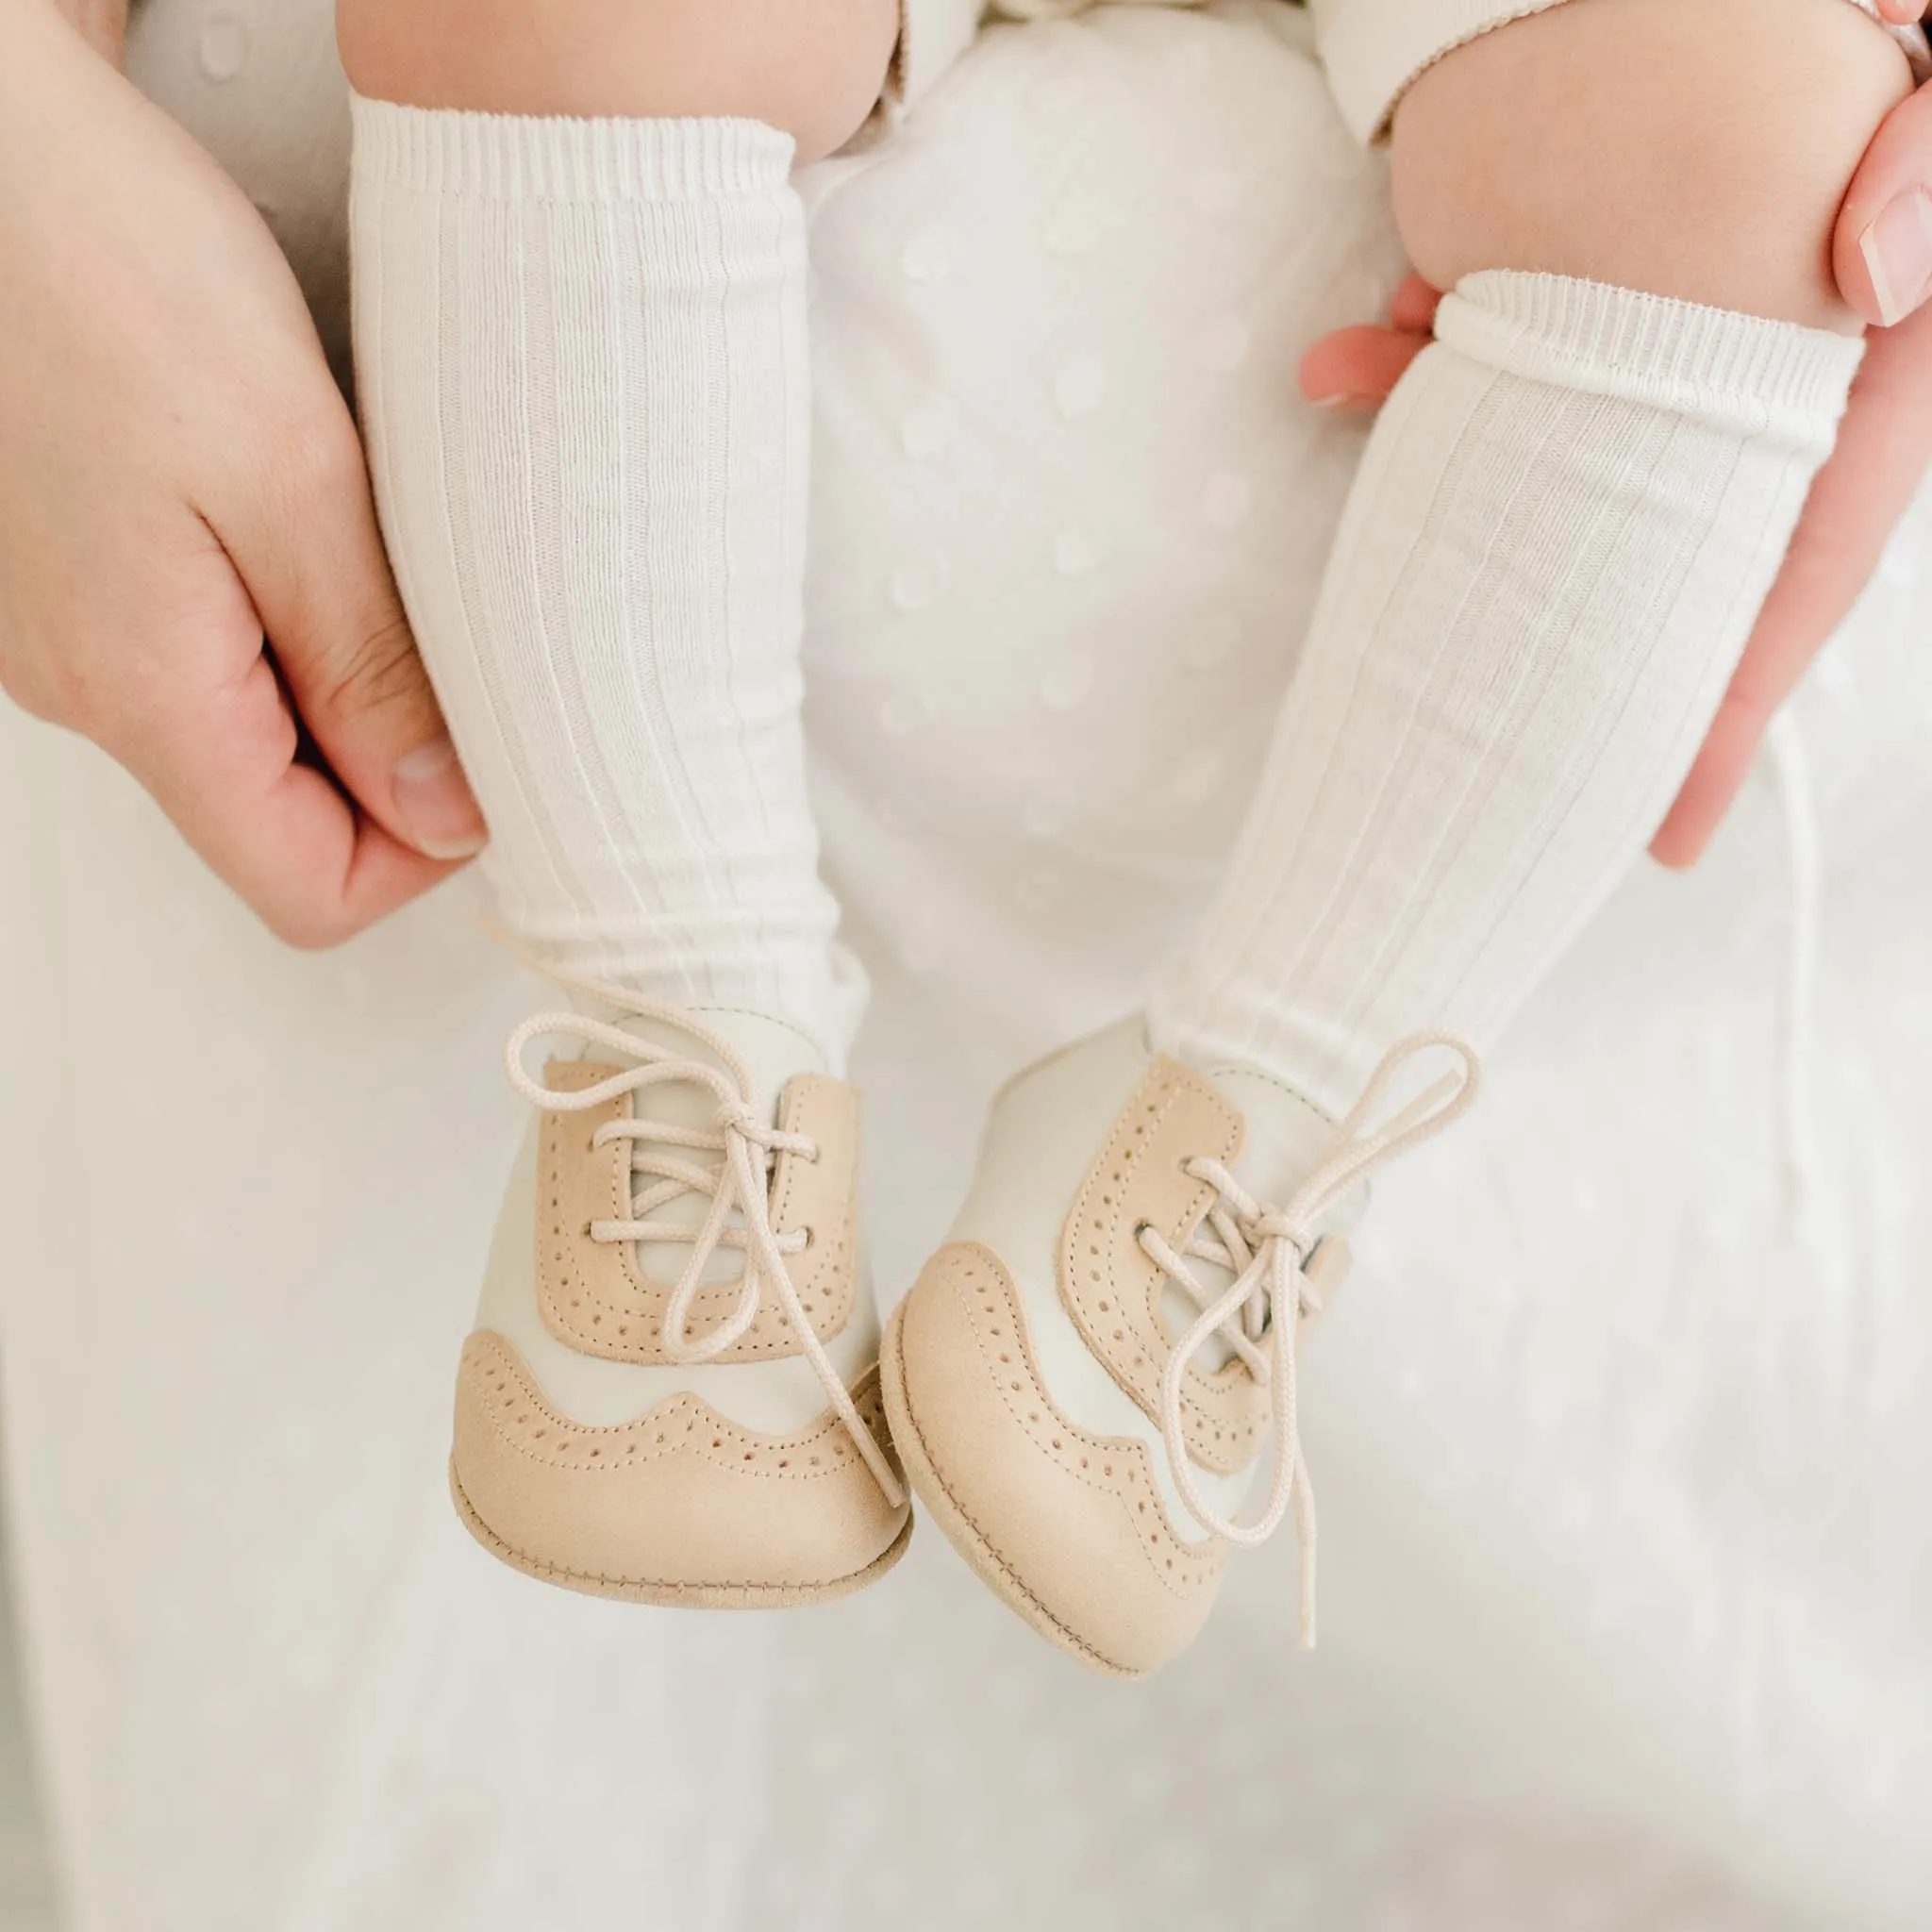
[[1091, 1378], [670, 1394]]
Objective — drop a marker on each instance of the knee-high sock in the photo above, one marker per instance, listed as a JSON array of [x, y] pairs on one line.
[[581, 350], [1564, 526]]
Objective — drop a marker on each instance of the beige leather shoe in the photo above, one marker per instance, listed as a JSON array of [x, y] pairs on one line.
[[1090, 1380], [671, 1391]]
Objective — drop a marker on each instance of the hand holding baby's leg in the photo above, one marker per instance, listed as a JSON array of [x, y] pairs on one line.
[[1565, 523]]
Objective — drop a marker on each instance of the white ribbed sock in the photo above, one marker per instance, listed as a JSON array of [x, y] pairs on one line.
[[581, 350], [1564, 526]]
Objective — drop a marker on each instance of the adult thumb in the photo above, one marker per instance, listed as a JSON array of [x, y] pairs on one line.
[[1882, 249], [313, 562]]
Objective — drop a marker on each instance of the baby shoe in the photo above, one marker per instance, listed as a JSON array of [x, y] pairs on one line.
[[670, 1394], [1088, 1380]]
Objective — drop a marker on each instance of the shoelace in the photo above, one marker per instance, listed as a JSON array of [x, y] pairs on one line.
[[741, 1180], [1258, 1313]]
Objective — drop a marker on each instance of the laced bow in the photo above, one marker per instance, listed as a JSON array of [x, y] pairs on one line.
[[738, 1182], [1266, 1250]]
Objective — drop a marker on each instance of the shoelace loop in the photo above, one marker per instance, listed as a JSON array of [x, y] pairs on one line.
[[1258, 1315], [746, 1147]]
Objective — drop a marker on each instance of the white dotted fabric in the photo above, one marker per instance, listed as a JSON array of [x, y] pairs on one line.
[[1626, 1613], [1069, 509]]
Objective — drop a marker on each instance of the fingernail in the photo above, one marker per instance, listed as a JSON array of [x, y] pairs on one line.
[[1897, 248], [434, 806], [1342, 399]]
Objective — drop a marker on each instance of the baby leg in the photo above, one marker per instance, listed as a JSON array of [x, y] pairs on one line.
[[580, 304], [1564, 525], [581, 293], [1568, 515], [1566, 519]]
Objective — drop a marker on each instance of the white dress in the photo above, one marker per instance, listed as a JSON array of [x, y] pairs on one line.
[[1628, 1568]]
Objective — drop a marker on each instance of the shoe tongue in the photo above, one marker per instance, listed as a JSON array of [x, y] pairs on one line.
[[769, 1053], [1286, 1138]]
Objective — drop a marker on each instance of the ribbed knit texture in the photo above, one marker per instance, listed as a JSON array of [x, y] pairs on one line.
[[1565, 523], [581, 354]]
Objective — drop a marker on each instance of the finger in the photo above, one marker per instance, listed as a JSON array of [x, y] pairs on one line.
[[1882, 247], [1413, 308], [221, 760], [1355, 368], [308, 548], [1855, 504], [1724, 763], [1903, 12]]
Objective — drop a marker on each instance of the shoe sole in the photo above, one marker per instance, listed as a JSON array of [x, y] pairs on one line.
[[956, 1526], [689, 1597]]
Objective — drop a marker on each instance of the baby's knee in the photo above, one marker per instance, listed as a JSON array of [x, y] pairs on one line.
[[1699, 152], [812, 68]]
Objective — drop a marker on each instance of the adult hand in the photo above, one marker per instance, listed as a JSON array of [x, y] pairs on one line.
[[191, 572], [1883, 261]]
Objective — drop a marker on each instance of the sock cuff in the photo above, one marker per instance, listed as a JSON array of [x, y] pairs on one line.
[[553, 157], [1744, 373]]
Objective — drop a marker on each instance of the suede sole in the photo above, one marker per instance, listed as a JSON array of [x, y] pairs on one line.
[[958, 1527], [689, 1597]]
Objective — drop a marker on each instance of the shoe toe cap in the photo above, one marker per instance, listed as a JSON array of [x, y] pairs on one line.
[[1067, 1525], [680, 1506]]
